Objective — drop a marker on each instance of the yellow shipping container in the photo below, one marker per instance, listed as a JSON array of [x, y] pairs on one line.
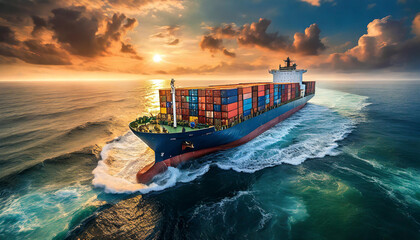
[[163, 110], [193, 119]]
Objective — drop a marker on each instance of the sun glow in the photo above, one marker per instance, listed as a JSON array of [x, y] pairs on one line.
[[157, 58]]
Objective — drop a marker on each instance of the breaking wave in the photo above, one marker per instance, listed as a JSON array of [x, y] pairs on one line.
[[313, 132]]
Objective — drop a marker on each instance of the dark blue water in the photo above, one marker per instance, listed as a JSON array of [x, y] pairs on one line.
[[344, 167]]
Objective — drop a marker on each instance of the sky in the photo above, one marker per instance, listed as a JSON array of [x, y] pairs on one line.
[[208, 39]]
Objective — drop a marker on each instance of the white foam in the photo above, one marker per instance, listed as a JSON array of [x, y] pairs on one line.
[[123, 157]]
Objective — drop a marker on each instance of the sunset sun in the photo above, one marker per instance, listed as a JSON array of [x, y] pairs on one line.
[[157, 58]]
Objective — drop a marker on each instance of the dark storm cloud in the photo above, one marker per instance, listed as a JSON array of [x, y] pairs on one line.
[[385, 45], [213, 44], [7, 35], [135, 4], [78, 30], [39, 24], [308, 43], [256, 35], [35, 52]]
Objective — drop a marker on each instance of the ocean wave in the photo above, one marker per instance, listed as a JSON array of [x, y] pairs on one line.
[[124, 156]]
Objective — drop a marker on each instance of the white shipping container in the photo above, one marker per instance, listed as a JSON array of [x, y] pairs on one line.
[[209, 114]]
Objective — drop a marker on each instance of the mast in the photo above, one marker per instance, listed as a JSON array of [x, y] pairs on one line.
[[173, 99]]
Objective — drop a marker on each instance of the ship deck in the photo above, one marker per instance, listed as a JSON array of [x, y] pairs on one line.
[[152, 128]]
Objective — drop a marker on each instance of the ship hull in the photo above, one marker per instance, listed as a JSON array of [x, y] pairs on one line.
[[168, 147]]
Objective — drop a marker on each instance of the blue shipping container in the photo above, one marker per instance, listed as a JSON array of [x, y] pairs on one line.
[[228, 92], [217, 108], [248, 101], [247, 112], [168, 104], [194, 99], [261, 103], [261, 107], [247, 106], [261, 99], [229, 100], [193, 92], [194, 106], [193, 112]]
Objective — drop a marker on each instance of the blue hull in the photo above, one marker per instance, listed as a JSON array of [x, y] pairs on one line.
[[169, 145]]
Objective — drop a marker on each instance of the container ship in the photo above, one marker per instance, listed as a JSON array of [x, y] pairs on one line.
[[195, 121]]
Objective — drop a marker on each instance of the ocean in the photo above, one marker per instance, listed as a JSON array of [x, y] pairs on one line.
[[346, 166]]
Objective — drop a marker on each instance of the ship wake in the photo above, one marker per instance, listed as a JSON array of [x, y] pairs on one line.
[[313, 132]]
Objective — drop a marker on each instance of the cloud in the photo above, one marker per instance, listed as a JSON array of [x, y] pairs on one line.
[[7, 35], [256, 35], [416, 25], [384, 45], [213, 44], [137, 4], [221, 67], [35, 52], [308, 43], [78, 30], [174, 42], [39, 25], [316, 3], [169, 33]]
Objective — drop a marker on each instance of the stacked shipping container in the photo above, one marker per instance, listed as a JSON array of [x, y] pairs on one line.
[[224, 105], [310, 87]]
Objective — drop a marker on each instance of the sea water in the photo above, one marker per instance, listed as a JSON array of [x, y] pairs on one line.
[[345, 166]]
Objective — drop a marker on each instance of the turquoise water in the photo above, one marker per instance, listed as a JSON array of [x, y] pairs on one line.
[[346, 166]]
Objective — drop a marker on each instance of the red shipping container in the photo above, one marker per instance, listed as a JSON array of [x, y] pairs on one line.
[[201, 113], [240, 97], [202, 99], [217, 100], [202, 106], [209, 107], [209, 93], [230, 114], [272, 86], [261, 93], [185, 112], [161, 92], [163, 104], [229, 107], [216, 93], [170, 110], [178, 92], [209, 121], [217, 115], [186, 118], [240, 111], [169, 98], [178, 111], [178, 105], [185, 105], [209, 99], [184, 92], [247, 95], [247, 90], [261, 88], [240, 104], [202, 120], [178, 98], [240, 91], [201, 92], [271, 90]]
